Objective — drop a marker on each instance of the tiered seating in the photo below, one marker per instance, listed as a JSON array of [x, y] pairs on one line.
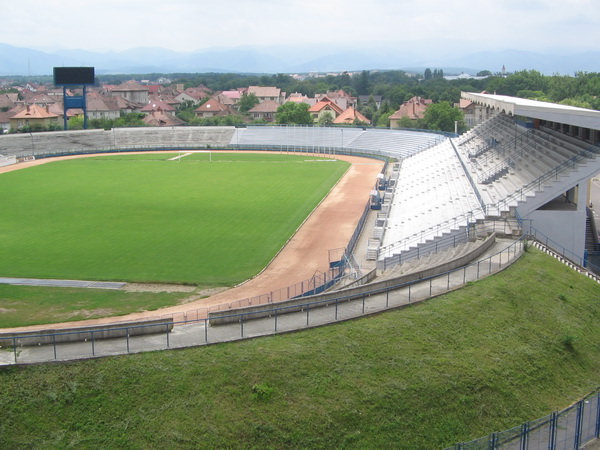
[[59, 142], [27, 144], [396, 143], [518, 158], [295, 137], [176, 137], [432, 196]]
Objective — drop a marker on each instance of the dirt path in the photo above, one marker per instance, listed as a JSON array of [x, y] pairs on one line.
[[330, 226]]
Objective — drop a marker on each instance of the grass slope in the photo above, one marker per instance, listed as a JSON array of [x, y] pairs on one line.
[[213, 219], [29, 305], [499, 352]]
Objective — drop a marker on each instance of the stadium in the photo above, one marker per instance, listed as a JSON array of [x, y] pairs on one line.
[[524, 170]]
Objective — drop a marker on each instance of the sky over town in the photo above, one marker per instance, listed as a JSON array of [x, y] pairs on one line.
[[187, 25]]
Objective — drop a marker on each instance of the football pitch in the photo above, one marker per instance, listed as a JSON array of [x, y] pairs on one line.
[[209, 219]]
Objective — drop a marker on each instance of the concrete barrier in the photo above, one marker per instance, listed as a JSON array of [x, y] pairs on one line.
[[81, 334], [7, 160], [343, 295]]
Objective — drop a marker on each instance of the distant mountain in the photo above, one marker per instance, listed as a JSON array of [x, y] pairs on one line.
[[515, 60], [297, 59]]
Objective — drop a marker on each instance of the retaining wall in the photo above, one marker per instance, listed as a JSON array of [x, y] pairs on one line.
[[325, 299], [80, 334]]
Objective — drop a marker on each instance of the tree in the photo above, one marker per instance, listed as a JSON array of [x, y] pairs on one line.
[[326, 118], [361, 83], [442, 116], [247, 102], [294, 113]]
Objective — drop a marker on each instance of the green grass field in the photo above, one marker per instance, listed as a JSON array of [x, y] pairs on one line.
[[31, 305], [211, 219], [507, 349]]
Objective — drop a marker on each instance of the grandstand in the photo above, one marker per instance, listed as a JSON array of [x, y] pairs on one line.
[[527, 168], [392, 143]]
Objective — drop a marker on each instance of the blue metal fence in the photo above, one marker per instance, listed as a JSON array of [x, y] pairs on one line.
[[572, 427]]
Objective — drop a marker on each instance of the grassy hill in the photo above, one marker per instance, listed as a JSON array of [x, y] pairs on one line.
[[501, 351]]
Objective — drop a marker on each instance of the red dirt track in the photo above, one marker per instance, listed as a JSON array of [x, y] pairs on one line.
[[330, 226]]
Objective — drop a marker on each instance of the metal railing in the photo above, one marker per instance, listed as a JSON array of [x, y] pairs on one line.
[[194, 328], [570, 428]]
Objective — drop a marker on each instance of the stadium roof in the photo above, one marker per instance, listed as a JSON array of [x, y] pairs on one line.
[[553, 112]]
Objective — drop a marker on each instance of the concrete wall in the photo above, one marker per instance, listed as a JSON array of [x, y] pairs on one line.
[[79, 334], [566, 229], [329, 298], [7, 160]]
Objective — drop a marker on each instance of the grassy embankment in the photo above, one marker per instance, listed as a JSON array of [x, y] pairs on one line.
[[501, 351]]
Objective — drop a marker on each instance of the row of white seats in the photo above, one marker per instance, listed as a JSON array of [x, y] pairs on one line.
[[431, 192], [398, 143]]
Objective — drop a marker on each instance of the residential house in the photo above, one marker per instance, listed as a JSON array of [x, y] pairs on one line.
[[125, 106], [6, 102], [155, 104], [212, 108], [131, 91], [474, 114], [4, 122], [32, 116], [101, 107], [340, 98], [297, 97], [160, 118], [230, 98], [351, 116], [414, 109], [325, 107], [266, 111], [38, 98], [193, 94], [264, 93]]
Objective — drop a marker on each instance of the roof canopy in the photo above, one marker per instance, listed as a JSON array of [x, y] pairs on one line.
[[552, 112]]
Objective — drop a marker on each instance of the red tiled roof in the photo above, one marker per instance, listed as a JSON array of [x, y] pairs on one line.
[[413, 109], [350, 116], [161, 119], [212, 106], [130, 85], [264, 91], [155, 105], [34, 112], [322, 104]]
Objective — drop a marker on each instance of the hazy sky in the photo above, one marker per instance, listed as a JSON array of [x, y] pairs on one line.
[[187, 25]]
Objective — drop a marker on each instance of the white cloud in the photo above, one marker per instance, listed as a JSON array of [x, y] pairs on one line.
[[193, 24]]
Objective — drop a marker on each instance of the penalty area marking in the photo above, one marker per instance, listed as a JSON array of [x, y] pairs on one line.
[[175, 158], [180, 156]]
